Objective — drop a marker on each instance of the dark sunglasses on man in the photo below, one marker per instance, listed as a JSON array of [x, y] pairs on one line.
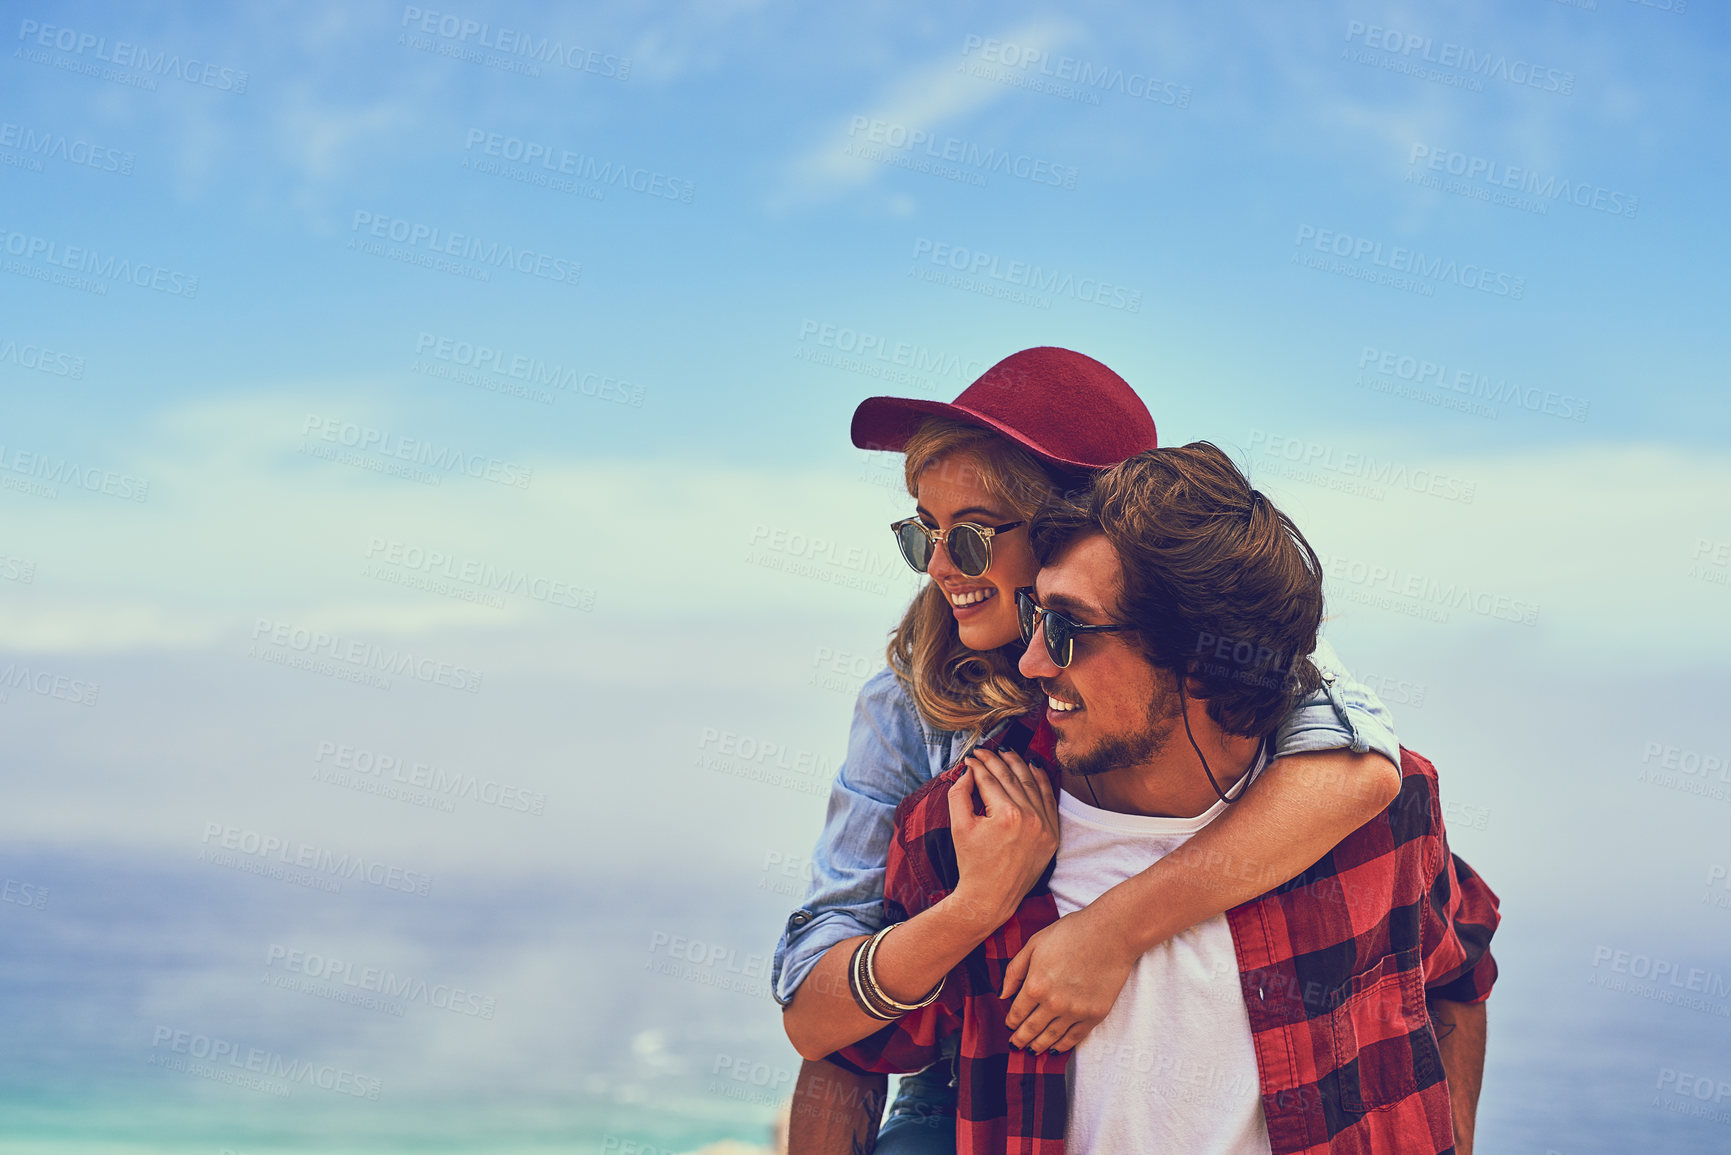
[[1060, 630], [970, 545]]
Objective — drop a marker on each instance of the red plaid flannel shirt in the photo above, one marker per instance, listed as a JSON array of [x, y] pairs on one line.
[[1335, 967]]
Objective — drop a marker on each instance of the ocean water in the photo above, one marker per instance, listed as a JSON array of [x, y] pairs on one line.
[[628, 1013], [127, 1123], [1582, 1058]]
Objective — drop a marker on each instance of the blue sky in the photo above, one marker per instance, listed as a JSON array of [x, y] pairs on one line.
[[1448, 281]]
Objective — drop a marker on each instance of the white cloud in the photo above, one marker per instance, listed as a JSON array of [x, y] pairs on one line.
[[922, 100], [240, 525], [1598, 537]]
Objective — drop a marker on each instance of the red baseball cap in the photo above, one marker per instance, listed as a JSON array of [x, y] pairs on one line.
[[1064, 408]]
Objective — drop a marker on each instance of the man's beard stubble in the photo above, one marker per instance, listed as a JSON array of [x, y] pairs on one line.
[[1116, 751]]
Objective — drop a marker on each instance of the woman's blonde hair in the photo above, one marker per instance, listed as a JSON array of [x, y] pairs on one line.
[[956, 688]]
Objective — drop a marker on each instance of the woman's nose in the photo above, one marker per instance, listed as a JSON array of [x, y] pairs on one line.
[[940, 565]]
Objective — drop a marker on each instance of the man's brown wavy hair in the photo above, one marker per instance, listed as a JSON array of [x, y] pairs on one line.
[[1219, 583]]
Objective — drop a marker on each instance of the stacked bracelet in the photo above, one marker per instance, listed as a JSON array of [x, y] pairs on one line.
[[863, 982]]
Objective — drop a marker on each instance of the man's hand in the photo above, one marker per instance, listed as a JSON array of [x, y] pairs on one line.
[[1065, 980]]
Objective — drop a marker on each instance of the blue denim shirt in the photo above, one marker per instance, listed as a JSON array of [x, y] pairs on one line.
[[892, 751]]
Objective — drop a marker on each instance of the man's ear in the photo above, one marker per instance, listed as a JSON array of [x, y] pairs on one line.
[[1194, 688]]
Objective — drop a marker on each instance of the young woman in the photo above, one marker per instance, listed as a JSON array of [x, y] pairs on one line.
[[979, 469]]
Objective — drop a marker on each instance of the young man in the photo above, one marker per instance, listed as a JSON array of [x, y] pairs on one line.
[[1339, 1012]]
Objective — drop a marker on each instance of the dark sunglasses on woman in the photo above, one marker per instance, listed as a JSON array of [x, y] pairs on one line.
[[970, 545]]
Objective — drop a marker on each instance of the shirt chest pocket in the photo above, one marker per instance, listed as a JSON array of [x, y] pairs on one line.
[[1384, 1047]]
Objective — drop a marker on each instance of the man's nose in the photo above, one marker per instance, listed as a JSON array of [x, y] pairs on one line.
[[1035, 661]]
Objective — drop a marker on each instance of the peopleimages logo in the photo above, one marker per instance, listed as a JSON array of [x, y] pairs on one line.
[[236, 840], [47, 683], [1498, 176], [821, 559], [1479, 386], [463, 246], [16, 569], [360, 763], [256, 1061], [537, 374], [52, 471], [579, 166], [484, 575], [1399, 259], [954, 150], [24, 894], [50, 145], [1363, 467], [1088, 78], [125, 55], [41, 359], [737, 1077], [1413, 49], [79, 259], [1686, 978], [1018, 275], [899, 354], [460, 32], [336, 972], [759, 759], [389, 444], [709, 964], [274, 641], [1419, 595]]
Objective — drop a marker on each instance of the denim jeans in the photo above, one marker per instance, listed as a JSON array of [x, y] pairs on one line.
[[922, 1120]]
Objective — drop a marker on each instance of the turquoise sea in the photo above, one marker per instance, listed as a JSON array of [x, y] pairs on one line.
[[179, 1121]]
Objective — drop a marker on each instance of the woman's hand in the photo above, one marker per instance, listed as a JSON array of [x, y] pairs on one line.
[[1001, 854]]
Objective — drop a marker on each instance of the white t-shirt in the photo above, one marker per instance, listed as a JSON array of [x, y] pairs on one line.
[[1171, 1068]]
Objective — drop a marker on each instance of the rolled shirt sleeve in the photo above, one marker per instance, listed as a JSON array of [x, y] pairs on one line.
[[1342, 715], [1462, 916], [1459, 917], [890, 754]]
